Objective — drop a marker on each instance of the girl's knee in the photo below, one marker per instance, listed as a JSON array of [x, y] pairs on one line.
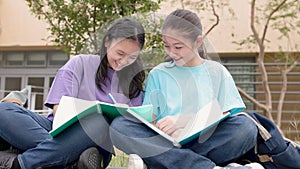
[[245, 128], [247, 123], [118, 123], [124, 123]]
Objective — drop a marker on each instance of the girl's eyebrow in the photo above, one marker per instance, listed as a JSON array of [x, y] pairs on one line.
[[176, 43], [121, 51]]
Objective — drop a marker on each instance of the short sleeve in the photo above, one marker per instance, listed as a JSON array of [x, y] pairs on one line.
[[229, 97], [153, 95], [66, 82]]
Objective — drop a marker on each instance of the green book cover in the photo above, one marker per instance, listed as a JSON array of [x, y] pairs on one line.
[[115, 110], [71, 109]]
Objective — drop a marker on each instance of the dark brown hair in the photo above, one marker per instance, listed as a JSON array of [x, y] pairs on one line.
[[131, 77]]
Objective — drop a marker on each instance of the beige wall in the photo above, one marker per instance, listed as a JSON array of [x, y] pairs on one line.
[[20, 28], [221, 37]]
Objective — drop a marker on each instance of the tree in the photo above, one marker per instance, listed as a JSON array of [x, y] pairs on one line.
[[76, 24], [283, 16], [153, 52], [209, 6]]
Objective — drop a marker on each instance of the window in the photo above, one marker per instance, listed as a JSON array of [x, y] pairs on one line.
[[51, 81], [15, 59], [12, 83], [54, 58], [36, 59], [37, 84], [35, 68], [57, 58]]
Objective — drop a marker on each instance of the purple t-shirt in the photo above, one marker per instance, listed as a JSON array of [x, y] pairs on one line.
[[77, 79]]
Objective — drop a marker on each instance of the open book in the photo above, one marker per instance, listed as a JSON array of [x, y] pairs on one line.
[[207, 117], [71, 109]]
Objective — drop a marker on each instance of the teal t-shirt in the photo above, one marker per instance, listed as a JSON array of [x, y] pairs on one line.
[[173, 90]]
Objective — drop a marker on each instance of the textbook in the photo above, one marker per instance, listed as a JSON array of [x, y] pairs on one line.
[[71, 109], [207, 117]]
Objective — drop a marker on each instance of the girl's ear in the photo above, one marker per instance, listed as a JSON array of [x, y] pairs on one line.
[[199, 41]]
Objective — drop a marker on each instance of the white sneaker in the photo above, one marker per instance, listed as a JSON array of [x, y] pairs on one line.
[[234, 165], [238, 166], [255, 165], [136, 162]]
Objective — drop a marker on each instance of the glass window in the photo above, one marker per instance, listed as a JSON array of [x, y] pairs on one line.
[[14, 58], [12, 83], [51, 81], [57, 58], [37, 90], [36, 59]]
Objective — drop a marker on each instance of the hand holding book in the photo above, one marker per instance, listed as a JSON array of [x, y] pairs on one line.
[[182, 129], [171, 125]]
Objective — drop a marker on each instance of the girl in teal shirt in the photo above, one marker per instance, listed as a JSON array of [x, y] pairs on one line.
[[179, 88]]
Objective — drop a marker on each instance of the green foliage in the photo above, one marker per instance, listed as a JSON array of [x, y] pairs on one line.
[[202, 7], [75, 24], [153, 52], [287, 19], [284, 20]]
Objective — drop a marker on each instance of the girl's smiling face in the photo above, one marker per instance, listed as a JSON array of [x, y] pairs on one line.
[[121, 53], [183, 51]]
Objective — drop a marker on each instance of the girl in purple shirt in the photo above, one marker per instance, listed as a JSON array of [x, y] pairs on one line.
[[116, 69]]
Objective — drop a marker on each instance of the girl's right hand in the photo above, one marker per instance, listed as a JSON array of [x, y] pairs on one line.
[[171, 125], [167, 124]]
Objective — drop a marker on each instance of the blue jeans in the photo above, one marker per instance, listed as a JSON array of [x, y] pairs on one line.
[[29, 132], [224, 144]]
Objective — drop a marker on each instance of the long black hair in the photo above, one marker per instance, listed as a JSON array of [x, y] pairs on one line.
[[131, 77]]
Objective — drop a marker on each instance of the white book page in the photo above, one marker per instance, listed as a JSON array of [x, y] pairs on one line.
[[205, 117], [68, 108], [151, 126]]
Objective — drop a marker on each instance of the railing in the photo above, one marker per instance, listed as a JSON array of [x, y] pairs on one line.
[[247, 77], [33, 99]]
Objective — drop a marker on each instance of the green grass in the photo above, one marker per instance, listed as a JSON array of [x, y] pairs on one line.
[[119, 160]]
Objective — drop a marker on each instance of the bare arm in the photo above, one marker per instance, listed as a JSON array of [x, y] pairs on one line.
[[54, 109]]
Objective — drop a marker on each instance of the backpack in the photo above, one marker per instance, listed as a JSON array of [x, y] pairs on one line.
[[272, 150]]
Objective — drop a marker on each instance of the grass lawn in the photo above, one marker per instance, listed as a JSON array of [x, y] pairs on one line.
[[119, 160]]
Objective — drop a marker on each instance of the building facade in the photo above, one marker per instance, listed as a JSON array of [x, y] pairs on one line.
[[26, 57]]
